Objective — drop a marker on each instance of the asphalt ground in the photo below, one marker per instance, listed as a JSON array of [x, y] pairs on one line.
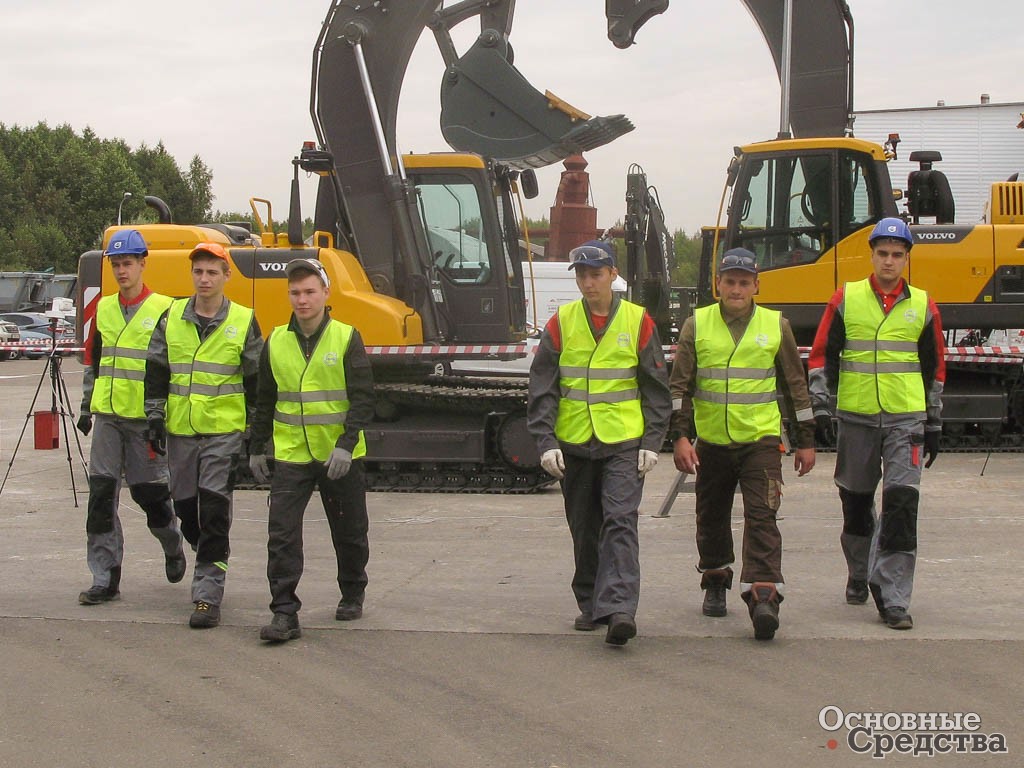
[[466, 654]]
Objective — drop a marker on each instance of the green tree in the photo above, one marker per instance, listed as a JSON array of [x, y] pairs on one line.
[[59, 190], [687, 258]]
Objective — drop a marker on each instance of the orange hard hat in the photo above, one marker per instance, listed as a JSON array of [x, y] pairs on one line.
[[209, 249]]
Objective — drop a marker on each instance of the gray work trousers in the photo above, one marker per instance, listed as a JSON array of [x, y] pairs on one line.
[[202, 471], [119, 449], [602, 499], [881, 549]]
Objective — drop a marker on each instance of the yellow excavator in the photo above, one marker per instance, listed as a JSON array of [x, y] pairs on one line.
[[422, 250]]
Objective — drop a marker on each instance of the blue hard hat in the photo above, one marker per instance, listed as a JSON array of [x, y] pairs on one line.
[[126, 242], [894, 228]]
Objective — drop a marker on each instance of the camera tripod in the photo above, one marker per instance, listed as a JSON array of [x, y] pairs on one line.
[[60, 403]]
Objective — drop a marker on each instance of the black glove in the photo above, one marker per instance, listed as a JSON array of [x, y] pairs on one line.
[[84, 423], [931, 446], [157, 436], [824, 432]]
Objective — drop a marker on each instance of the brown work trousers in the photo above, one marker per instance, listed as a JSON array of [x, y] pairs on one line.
[[757, 469]]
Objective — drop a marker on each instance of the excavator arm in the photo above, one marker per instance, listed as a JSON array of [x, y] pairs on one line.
[[487, 107]]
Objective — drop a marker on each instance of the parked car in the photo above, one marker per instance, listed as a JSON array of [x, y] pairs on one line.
[[8, 332], [42, 342], [37, 321]]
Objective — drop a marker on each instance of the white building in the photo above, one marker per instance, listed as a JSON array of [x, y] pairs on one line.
[[980, 144]]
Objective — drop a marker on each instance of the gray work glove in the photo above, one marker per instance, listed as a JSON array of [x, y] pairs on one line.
[[824, 432], [338, 463], [259, 468], [646, 461], [553, 463], [84, 423]]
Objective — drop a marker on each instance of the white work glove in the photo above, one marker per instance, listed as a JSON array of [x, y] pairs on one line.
[[553, 463], [259, 468], [338, 463], [646, 461]]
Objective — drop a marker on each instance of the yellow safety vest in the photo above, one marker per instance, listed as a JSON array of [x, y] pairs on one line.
[[735, 400], [312, 401], [880, 369], [600, 393], [206, 396], [119, 387]]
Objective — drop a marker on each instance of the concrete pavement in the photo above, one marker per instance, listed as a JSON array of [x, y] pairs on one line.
[[466, 654]]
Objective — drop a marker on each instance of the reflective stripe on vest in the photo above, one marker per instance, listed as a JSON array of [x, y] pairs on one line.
[[206, 395], [312, 401], [731, 374], [118, 388], [600, 393], [879, 369]]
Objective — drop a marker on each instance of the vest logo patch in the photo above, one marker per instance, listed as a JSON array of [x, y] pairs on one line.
[[231, 331], [761, 340], [623, 340], [910, 315], [331, 358], [149, 323]]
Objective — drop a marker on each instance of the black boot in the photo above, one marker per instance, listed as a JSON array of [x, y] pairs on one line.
[[856, 591], [96, 595], [715, 583]]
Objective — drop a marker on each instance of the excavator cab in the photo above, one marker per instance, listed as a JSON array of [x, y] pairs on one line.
[[796, 203]]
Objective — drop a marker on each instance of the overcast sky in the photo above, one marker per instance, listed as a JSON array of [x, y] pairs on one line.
[[229, 80]]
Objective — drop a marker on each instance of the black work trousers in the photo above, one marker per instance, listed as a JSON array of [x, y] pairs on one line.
[[344, 503], [757, 469]]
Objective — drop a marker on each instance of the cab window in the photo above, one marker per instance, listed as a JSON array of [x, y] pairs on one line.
[[450, 207], [784, 207]]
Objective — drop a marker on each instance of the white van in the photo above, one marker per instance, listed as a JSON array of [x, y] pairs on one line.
[[552, 285]]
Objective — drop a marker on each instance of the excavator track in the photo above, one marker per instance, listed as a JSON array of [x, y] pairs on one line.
[[511, 465]]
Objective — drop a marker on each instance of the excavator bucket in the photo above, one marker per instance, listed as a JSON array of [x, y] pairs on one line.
[[489, 108], [625, 17]]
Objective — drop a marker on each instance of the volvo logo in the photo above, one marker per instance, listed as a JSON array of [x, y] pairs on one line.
[[935, 235], [273, 266]]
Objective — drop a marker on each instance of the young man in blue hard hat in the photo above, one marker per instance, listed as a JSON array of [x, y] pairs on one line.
[[315, 399], [112, 408], [200, 388], [733, 363], [879, 352], [598, 410]]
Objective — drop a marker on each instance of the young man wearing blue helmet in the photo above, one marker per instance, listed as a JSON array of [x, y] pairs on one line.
[[878, 361], [112, 408]]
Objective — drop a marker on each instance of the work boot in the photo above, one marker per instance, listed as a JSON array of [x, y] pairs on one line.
[[175, 565], [715, 583], [205, 615], [95, 595], [763, 601], [283, 627], [621, 628], [348, 610], [897, 618], [584, 623], [856, 591]]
